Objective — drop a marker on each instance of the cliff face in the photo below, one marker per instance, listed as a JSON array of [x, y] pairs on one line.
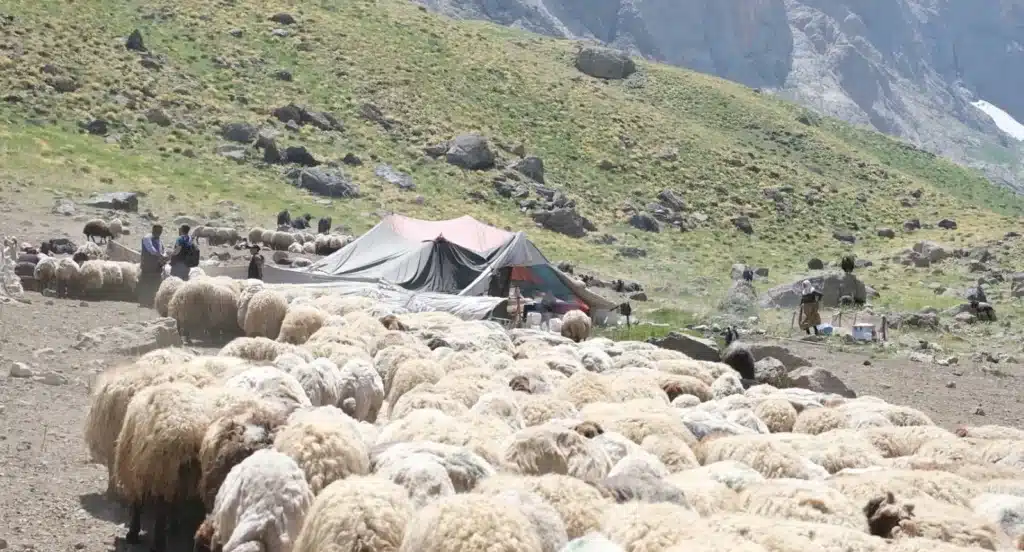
[[910, 68]]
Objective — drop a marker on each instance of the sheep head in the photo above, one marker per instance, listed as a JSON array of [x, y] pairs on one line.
[[391, 322], [888, 518], [204, 538], [961, 431], [520, 383], [589, 429], [672, 389]]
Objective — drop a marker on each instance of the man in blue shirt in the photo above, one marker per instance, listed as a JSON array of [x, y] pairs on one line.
[[152, 266]]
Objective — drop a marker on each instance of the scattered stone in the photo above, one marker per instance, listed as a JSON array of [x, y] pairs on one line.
[[886, 233], [844, 236], [604, 63], [21, 370], [670, 199], [867, 363], [743, 224], [645, 222], [639, 296], [283, 75], [239, 132], [151, 62], [64, 207], [471, 152], [393, 176], [772, 371], [64, 84], [237, 33], [324, 182], [134, 42], [923, 358], [532, 167], [694, 347], [97, 127], [231, 151], [632, 252], [950, 384], [52, 378], [564, 220], [820, 380], [372, 113], [947, 224], [283, 18], [815, 264], [966, 318], [934, 252], [118, 201], [979, 411], [352, 160], [280, 33], [158, 117], [299, 155]]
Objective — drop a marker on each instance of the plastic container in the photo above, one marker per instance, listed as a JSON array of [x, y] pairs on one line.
[[533, 319], [864, 332]]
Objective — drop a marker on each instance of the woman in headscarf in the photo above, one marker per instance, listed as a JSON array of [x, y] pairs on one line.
[[810, 301]]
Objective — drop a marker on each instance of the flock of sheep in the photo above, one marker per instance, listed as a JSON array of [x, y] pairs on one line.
[[341, 424]]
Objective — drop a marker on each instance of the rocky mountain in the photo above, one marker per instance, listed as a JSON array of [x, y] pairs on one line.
[[910, 68]]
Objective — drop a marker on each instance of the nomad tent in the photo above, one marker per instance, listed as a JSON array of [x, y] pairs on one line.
[[461, 256]]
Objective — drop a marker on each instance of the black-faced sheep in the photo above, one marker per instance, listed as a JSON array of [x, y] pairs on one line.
[[520, 383], [739, 357], [97, 228], [323, 225], [391, 322], [886, 517], [589, 429], [302, 222], [284, 218]]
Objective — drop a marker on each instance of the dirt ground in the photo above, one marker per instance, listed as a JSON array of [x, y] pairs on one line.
[[52, 499]]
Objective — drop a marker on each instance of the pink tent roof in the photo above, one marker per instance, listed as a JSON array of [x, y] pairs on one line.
[[464, 231]]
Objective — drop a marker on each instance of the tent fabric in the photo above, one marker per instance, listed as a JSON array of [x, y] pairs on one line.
[[459, 256]]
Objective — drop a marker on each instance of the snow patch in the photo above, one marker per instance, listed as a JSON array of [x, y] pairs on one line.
[[1002, 119]]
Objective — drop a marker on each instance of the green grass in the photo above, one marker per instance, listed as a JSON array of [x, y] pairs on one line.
[[438, 78]]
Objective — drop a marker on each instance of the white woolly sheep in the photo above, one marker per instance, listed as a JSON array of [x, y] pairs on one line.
[[116, 228], [551, 448], [321, 379], [482, 435], [470, 523], [157, 454], [992, 432], [768, 456], [90, 251], [361, 392], [233, 438], [45, 272], [90, 278], [422, 475], [261, 349], [261, 506], [110, 395], [256, 236], [579, 504], [804, 501], [778, 414], [327, 445], [641, 488], [280, 241], [464, 468], [641, 526], [409, 374], [68, 277], [300, 323], [204, 308], [357, 513], [576, 325], [543, 517], [168, 287]]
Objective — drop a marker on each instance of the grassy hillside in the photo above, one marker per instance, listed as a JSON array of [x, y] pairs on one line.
[[719, 145]]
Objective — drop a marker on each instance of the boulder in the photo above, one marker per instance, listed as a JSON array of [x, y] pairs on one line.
[[564, 221], [948, 224], [671, 199], [844, 236], [772, 371], [300, 156], [645, 222], [393, 176], [886, 233], [743, 224], [231, 151], [132, 339], [820, 380], [782, 354], [693, 347], [118, 201], [470, 151], [324, 182], [239, 132], [604, 63], [932, 251], [135, 42], [532, 167], [815, 264], [832, 286], [741, 299]]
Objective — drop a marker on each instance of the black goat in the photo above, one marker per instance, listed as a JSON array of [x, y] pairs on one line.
[[302, 222], [284, 218], [739, 357], [847, 264], [323, 225]]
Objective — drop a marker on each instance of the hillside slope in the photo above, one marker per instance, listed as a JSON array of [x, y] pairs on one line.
[[910, 68], [398, 80]]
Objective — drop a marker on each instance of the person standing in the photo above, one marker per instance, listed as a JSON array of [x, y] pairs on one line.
[[151, 269], [182, 253], [810, 303], [255, 263]]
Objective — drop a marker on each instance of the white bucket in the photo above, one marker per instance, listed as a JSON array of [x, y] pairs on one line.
[[864, 332], [533, 319]]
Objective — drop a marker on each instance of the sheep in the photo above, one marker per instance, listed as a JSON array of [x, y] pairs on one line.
[[255, 236], [110, 395], [769, 457], [45, 272], [88, 251], [97, 229], [302, 222], [261, 506], [640, 526], [463, 468], [261, 349], [68, 277], [327, 445], [423, 477], [551, 448], [231, 439], [265, 314], [90, 277], [204, 307], [157, 456], [323, 225], [738, 356], [490, 525], [361, 393], [271, 383], [802, 500], [576, 325], [321, 379], [300, 323], [280, 241], [886, 516], [626, 488], [116, 228], [357, 513]]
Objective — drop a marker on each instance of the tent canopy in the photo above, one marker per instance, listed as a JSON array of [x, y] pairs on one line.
[[461, 256]]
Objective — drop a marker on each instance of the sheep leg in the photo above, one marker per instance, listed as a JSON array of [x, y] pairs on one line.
[[135, 525], [160, 527]]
